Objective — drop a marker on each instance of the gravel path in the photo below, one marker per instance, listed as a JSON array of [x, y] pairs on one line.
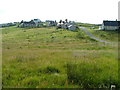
[[91, 35]]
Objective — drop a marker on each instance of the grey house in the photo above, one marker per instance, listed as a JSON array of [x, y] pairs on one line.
[[111, 25], [27, 24], [32, 23]]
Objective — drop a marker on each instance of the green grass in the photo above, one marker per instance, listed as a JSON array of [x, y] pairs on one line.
[[87, 25], [50, 58]]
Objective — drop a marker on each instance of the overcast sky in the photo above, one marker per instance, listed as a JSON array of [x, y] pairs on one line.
[[86, 11]]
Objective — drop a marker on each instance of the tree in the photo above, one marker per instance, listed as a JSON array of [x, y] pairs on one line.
[[60, 21], [66, 20]]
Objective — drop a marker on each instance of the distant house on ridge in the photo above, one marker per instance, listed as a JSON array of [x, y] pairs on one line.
[[27, 24], [32, 23]]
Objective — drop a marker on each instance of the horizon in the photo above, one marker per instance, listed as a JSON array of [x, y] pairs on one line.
[[84, 11], [58, 21]]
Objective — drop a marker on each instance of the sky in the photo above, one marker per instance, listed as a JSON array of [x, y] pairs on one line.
[[85, 11]]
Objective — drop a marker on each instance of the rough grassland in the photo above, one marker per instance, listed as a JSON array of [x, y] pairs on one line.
[[50, 58]]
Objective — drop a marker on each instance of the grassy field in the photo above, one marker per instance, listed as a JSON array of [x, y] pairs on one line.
[[50, 58]]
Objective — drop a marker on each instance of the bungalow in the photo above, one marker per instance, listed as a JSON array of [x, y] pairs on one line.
[[32, 23], [110, 25]]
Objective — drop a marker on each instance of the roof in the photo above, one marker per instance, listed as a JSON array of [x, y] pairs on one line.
[[36, 20], [70, 26], [111, 23]]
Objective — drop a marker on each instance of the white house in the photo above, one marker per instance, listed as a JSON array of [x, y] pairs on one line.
[[110, 25]]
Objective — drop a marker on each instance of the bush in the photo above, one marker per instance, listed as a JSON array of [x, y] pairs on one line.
[[50, 69]]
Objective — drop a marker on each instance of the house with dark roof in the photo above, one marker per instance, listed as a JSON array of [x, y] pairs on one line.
[[27, 24], [111, 25], [32, 23]]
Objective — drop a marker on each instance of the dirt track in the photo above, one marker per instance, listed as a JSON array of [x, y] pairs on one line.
[[91, 35]]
